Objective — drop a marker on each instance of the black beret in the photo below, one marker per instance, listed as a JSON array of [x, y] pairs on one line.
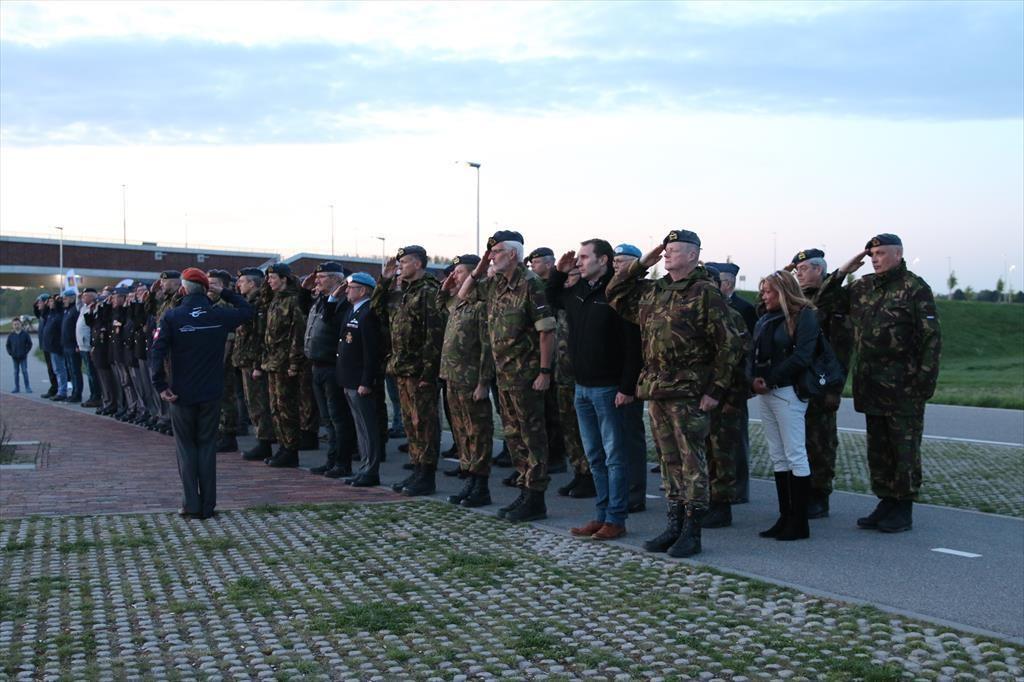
[[280, 269], [449, 269], [504, 236], [682, 236], [466, 259], [540, 252], [170, 274], [330, 266], [884, 239], [124, 291], [714, 271], [89, 290], [724, 268], [223, 275], [807, 254], [412, 250], [250, 272]]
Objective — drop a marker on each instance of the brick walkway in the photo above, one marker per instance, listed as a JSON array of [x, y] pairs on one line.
[[98, 465]]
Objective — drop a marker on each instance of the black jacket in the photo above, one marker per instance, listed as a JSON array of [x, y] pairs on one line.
[[68, 340], [776, 357], [746, 310], [359, 348], [323, 327], [605, 349], [18, 345]]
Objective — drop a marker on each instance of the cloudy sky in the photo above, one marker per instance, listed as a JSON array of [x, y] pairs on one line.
[[765, 127]]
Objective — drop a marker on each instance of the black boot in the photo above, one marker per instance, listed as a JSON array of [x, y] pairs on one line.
[[719, 516], [325, 467], [339, 470], [782, 491], [466, 491], [509, 508], [512, 480], [424, 484], [457, 471], [480, 496], [309, 440], [503, 458], [585, 488], [259, 453], [673, 527], [688, 543], [817, 506], [796, 527], [532, 508], [567, 488], [901, 518], [397, 487], [870, 522], [284, 459], [227, 444]]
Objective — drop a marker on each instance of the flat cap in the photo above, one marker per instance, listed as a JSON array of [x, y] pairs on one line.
[[466, 259], [628, 250], [412, 250], [330, 266], [170, 274], [724, 268], [280, 269], [363, 278], [682, 236], [540, 252], [196, 275], [250, 272], [504, 236], [884, 239], [807, 254]]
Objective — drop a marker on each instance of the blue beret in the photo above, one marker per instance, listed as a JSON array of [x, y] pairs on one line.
[[807, 254], [682, 236], [884, 239], [363, 278], [628, 250], [43, 297], [70, 291]]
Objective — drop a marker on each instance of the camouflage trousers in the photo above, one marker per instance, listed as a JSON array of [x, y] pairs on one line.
[[228, 403], [257, 402], [420, 418], [522, 417], [309, 415], [284, 408], [822, 442], [680, 431], [571, 429], [894, 454], [724, 449], [472, 429]]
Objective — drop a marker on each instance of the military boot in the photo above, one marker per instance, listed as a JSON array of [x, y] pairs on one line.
[[466, 491], [673, 527], [585, 488], [258, 453], [332, 458], [817, 506], [532, 508], [508, 508], [901, 518], [480, 496], [512, 480], [424, 484], [227, 444], [567, 488], [284, 459], [719, 516], [309, 440], [782, 491], [688, 542], [397, 487], [870, 522], [796, 527]]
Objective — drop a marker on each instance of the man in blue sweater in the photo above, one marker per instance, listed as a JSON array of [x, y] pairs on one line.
[[193, 336]]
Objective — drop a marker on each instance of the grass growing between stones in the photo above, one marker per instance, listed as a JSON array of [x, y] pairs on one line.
[[420, 590]]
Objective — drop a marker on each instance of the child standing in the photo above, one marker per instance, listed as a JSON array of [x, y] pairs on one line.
[[19, 343]]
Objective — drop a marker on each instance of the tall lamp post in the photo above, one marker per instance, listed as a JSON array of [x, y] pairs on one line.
[[60, 267], [124, 213], [332, 229], [475, 165], [383, 253]]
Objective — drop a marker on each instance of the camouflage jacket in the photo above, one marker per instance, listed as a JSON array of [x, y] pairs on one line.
[[466, 359], [248, 349], [415, 325], [517, 311], [283, 333], [739, 390], [158, 305], [229, 342], [832, 315], [690, 345], [897, 342], [563, 362]]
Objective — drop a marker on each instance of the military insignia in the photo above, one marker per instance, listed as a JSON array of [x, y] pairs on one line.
[[876, 241], [802, 255], [672, 236], [491, 242], [348, 337], [455, 261], [401, 252]]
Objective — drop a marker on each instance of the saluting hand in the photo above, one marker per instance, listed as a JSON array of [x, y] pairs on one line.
[[390, 268], [481, 268], [309, 281], [856, 262], [340, 289], [567, 262], [652, 256], [449, 283]]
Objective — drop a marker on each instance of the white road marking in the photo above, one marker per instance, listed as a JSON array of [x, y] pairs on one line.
[[955, 552], [654, 497]]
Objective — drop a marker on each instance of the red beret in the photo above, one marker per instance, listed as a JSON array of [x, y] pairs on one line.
[[196, 275]]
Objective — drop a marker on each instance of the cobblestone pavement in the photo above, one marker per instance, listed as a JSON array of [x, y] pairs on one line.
[[96, 465], [420, 590]]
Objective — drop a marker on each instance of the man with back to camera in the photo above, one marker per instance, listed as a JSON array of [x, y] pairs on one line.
[[192, 335]]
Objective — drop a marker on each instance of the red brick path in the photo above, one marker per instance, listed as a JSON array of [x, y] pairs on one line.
[[99, 465]]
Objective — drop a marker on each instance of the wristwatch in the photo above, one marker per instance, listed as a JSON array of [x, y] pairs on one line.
[[545, 370]]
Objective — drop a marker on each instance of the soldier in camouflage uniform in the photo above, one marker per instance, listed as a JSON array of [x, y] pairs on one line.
[[541, 261], [246, 355], [283, 359], [227, 431], [522, 330], [309, 411], [163, 296], [897, 344], [467, 367], [416, 328], [728, 424], [826, 292], [691, 349]]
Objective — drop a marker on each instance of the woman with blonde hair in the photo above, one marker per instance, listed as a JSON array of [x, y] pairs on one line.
[[784, 342]]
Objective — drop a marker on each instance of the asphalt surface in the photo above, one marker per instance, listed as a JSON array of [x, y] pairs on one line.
[[901, 572]]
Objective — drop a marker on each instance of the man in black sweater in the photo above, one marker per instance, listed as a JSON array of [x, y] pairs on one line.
[[606, 358]]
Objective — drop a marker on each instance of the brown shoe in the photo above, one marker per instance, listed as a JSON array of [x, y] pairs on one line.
[[609, 531], [587, 530]]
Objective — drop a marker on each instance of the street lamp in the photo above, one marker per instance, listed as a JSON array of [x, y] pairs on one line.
[[332, 229], [124, 213], [60, 270], [474, 164], [383, 253]]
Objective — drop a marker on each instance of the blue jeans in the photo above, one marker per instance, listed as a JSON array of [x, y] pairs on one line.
[[603, 435], [21, 366], [60, 368], [74, 364]]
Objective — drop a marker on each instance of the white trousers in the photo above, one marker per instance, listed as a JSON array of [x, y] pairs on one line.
[[782, 415]]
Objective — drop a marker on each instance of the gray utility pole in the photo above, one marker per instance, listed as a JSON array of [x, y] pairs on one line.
[[60, 271], [124, 213]]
